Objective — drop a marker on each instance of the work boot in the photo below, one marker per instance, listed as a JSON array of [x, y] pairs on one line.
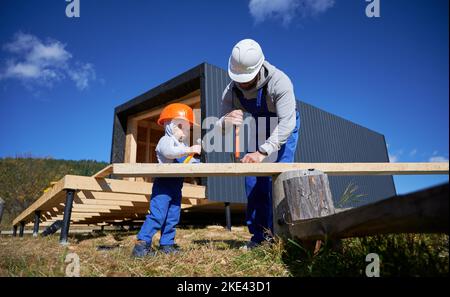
[[169, 249], [250, 245], [268, 240], [142, 249]]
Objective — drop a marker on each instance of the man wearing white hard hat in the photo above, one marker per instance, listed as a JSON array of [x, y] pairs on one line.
[[265, 92]]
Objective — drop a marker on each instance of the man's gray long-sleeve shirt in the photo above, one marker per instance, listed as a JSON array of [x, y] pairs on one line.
[[280, 100]]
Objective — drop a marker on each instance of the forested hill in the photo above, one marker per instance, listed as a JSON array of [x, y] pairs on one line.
[[23, 180]]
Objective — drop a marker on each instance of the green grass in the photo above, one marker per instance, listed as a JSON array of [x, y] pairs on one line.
[[212, 251], [400, 255]]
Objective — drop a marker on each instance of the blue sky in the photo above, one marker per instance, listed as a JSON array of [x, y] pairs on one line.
[[60, 77]]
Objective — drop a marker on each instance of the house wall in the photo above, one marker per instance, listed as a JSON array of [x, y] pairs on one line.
[[327, 138]]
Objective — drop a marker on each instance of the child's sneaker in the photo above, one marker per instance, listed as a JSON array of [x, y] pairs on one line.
[[169, 249], [142, 249]]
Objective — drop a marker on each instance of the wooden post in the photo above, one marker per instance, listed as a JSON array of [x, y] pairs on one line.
[[37, 215], [228, 215], [21, 228], [299, 195], [67, 215], [131, 143]]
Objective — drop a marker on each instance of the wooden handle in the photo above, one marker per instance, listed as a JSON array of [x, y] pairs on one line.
[[237, 153]]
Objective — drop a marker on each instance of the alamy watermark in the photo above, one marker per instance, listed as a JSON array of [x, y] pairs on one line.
[[373, 9], [73, 8], [373, 268], [219, 136], [73, 265]]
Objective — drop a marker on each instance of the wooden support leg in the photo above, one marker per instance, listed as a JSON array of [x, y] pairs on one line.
[[15, 230], [66, 219], [37, 215], [228, 215], [21, 229]]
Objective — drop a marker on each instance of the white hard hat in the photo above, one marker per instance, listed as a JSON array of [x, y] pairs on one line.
[[245, 61]]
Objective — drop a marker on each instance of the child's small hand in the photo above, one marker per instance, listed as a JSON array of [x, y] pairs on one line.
[[195, 149]]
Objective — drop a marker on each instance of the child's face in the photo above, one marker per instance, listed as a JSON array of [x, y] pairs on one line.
[[181, 129]]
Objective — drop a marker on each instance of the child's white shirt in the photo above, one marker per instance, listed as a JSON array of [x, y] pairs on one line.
[[169, 149]]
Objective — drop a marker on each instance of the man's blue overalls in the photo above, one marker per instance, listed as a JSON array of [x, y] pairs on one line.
[[165, 206], [259, 216]]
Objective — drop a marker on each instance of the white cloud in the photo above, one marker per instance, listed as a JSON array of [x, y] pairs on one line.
[[413, 153], [393, 158], [22, 70], [82, 75], [287, 10], [37, 62], [438, 159]]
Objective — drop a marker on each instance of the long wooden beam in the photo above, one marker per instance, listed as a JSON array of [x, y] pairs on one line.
[[425, 211], [268, 169], [55, 195], [104, 172], [38, 204], [123, 186]]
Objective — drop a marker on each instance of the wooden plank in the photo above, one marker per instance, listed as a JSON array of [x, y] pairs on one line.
[[56, 189], [104, 172], [105, 197], [79, 215], [268, 169], [131, 141], [91, 210], [425, 211], [49, 198], [122, 186], [105, 185], [96, 208], [147, 146], [109, 203]]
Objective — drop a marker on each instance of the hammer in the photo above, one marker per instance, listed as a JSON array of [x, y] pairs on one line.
[[237, 153], [235, 156]]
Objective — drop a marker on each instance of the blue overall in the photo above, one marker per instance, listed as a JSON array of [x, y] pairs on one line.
[[259, 215], [165, 207]]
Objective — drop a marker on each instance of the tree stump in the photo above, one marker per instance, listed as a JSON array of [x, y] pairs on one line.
[[300, 195]]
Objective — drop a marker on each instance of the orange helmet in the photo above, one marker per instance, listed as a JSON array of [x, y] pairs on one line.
[[177, 111]]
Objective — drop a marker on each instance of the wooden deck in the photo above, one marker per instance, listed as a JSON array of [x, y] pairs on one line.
[[100, 200]]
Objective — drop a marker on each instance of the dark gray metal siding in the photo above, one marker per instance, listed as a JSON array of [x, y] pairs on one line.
[[118, 141], [327, 138], [228, 189]]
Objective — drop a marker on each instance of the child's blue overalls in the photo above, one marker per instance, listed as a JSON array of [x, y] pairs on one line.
[[259, 215], [165, 207]]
